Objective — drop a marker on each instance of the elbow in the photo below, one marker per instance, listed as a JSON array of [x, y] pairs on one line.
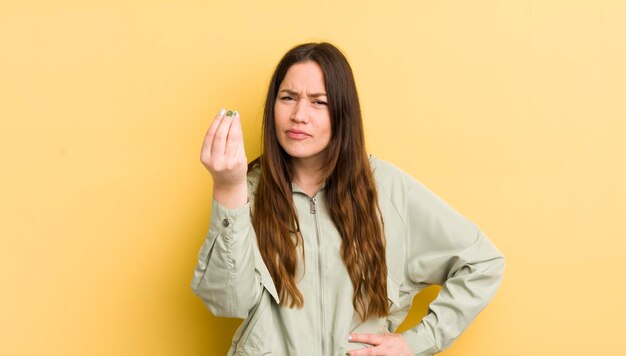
[[223, 311], [224, 301], [496, 270], [221, 307], [494, 260], [501, 263]]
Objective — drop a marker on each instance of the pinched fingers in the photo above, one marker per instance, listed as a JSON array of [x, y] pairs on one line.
[[234, 142], [223, 152], [208, 138], [218, 146]]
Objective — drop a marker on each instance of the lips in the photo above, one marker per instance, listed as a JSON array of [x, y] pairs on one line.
[[297, 132]]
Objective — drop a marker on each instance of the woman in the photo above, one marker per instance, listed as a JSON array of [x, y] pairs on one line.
[[320, 247]]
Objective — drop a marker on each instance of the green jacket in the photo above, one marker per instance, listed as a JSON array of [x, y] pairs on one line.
[[427, 243]]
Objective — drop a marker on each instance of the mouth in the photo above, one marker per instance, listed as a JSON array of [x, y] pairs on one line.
[[297, 134]]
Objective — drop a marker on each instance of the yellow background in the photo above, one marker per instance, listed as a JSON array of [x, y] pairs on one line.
[[512, 111]]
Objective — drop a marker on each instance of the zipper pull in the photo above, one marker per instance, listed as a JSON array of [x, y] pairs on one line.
[[312, 201]]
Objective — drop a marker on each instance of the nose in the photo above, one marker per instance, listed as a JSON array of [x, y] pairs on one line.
[[299, 113]]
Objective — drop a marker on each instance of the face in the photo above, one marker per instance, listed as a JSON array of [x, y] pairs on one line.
[[301, 113]]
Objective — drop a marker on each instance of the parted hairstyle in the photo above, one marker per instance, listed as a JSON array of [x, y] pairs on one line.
[[349, 188]]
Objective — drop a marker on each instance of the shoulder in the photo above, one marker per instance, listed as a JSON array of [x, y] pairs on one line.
[[380, 166], [389, 178], [415, 202], [402, 190], [393, 186], [396, 182]]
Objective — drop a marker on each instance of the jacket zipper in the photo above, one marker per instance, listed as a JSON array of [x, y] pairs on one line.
[[319, 271]]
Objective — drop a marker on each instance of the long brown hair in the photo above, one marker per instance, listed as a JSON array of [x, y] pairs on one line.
[[350, 190]]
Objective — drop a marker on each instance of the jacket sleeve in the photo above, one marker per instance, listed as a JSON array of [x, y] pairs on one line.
[[230, 274], [446, 249]]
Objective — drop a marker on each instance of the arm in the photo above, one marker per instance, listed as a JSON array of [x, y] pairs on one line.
[[230, 270], [229, 274], [447, 249]]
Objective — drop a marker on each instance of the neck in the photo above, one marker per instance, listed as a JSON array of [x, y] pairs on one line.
[[307, 174]]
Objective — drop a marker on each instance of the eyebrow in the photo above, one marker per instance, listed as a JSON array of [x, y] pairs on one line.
[[315, 95]]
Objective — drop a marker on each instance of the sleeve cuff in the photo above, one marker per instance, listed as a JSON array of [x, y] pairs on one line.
[[230, 221]]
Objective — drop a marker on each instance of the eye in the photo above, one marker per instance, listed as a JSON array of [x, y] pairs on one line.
[[287, 98], [320, 102]]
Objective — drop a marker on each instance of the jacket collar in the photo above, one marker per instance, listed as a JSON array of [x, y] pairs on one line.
[[296, 189]]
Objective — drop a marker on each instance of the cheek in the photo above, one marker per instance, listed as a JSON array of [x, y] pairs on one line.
[[328, 126], [276, 106], [279, 114]]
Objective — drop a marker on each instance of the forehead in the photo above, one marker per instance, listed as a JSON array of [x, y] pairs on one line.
[[304, 75]]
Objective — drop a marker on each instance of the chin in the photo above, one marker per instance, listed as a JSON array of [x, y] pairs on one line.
[[295, 153], [301, 151], [298, 154]]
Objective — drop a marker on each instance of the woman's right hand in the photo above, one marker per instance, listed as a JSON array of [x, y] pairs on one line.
[[223, 154]]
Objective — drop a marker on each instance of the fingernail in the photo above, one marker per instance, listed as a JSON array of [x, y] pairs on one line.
[[236, 114], [349, 337], [222, 112], [229, 113]]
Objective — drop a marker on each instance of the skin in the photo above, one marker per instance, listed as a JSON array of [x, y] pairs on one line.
[[383, 345], [302, 105], [297, 107], [223, 154]]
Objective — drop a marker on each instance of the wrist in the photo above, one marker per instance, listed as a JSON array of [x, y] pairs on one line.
[[231, 196]]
